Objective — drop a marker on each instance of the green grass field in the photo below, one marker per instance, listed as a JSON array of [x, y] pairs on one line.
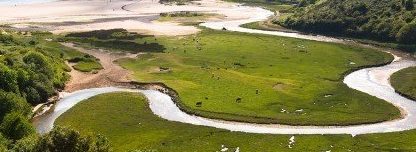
[[130, 125], [87, 66], [279, 80], [404, 82], [187, 17], [67, 53]]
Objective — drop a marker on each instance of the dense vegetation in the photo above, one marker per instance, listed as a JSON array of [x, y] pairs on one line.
[[178, 2], [115, 39], [138, 129], [404, 82], [29, 70], [383, 20], [231, 78], [273, 5], [32, 69]]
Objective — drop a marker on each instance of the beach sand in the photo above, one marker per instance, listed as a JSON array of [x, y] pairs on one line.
[[138, 16]]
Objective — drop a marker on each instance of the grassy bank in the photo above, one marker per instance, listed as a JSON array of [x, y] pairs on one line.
[[272, 5], [130, 125], [116, 40], [87, 66], [404, 82], [83, 62], [187, 17]]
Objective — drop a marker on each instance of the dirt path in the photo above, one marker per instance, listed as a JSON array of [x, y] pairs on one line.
[[111, 74]]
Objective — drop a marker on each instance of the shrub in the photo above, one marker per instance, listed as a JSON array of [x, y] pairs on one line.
[[16, 126]]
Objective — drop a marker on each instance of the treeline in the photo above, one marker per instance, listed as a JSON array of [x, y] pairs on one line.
[[382, 20], [30, 73]]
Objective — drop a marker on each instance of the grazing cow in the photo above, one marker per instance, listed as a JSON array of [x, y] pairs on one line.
[[238, 100]]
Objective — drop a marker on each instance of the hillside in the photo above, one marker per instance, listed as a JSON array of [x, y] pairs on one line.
[[381, 20]]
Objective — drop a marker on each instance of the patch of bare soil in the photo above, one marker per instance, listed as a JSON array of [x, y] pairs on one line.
[[111, 74]]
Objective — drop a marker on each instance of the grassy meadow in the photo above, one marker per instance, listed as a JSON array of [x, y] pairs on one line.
[[263, 79], [127, 121], [404, 82], [87, 66], [186, 17]]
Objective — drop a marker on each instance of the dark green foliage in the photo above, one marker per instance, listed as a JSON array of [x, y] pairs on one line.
[[16, 126], [8, 79], [383, 20], [181, 14], [107, 34], [179, 2], [129, 46], [31, 69], [7, 39], [407, 34], [3, 143], [409, 5], [63, 140], [116, 39], [304, 3], [27, 144], [10, 102]]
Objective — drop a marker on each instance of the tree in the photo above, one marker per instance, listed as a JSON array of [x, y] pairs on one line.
[[15, 126], [10, 102], [64, 139], [38, 63], [8, 79], [407, 34], [3, 143], [27, 144], [409, 5]]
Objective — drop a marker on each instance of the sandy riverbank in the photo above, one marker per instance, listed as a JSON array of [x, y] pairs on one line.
[[110, 75], [137, 16]]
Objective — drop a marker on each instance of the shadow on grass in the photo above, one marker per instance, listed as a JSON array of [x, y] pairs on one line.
[[115, 39]]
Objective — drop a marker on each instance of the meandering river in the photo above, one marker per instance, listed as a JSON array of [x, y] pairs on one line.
[[373, 81]]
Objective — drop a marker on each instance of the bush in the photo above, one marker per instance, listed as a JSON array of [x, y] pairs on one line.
[[383, 20], [8, 79], [3, 143], [407, 34], [10, 102], [107, 34], [15, 126], [65, 139]]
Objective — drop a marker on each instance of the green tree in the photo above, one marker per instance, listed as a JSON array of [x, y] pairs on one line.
[[409, 5], [407, 34], [37, 62], [27, 144], [15, 126], [10, 102], [64, 139], [3, 143], [8, 79]]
